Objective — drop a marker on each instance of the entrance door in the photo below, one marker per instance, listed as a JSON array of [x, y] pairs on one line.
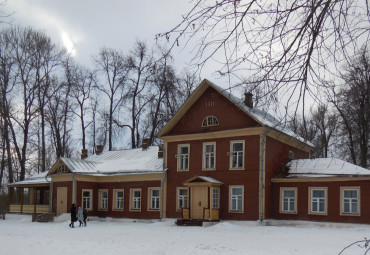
[[61, 200], [199, 201]]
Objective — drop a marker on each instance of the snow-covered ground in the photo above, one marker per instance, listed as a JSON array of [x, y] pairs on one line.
[[18, 235]]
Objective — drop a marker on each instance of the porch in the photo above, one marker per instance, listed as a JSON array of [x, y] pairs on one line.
[[204, 198], [208, 217], [28, 199]]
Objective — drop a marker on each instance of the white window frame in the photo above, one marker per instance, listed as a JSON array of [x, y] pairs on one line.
[[87, 199], [317, 200], [154, 201], [135, 204], [210, 121], [350, 201], [103, 201], [208, 156], [239, 199], [183, 158], [237, 154], [215, 198], [284, 199], [118, 201], [183, 199]]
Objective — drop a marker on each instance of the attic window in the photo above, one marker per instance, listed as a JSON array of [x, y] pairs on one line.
[[62, 169], [210, 121]]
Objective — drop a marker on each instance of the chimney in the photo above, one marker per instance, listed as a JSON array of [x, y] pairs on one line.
[[145, 143], [248, 99], [99, 149], [83, 153], [160, 151]]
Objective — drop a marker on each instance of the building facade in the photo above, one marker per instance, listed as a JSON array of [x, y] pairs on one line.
[[222, 159]]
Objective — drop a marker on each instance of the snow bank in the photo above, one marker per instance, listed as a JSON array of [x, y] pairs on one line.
[[18, 235]]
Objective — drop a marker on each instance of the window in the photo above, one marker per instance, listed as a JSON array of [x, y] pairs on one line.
[[291, 155], [288, 200], [236, 198], [103, 199], [215, 198], [62, 169], [318, 200], [46, 197], [154, 198], [350, 200], [136, 199], [118, 200], [209, 153], [237, 155], [183, 157], [86, 199], [210, 121], [182, 198]]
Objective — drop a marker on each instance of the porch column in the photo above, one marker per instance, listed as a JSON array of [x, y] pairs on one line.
[[51, 197], [10, 195], [34, 199], [22, 192]]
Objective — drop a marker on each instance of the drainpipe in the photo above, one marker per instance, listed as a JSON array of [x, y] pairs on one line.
[[50, 194], [162, 192], [163, 182], [74, 190], [262, 172]]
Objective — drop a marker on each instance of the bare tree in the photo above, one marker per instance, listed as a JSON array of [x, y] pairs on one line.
[[26, 44], [325, 124], [287, 47], [111, 81], [353, 104], [7, 64], [140, 63], [46, 59], [81, 82], [59, 116], [162, 85]]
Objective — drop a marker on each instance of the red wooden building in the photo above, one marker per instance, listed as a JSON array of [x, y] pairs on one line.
[[222, 160], [221, 154]]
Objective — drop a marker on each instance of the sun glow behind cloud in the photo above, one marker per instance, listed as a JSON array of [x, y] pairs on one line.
[[68, 44], [49, 21]]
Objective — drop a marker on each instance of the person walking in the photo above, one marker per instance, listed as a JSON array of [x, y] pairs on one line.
[[80, 216], [73, 215], [85, 216]]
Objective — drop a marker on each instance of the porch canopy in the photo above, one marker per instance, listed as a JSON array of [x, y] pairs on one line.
[[30, 195], [204, 198]]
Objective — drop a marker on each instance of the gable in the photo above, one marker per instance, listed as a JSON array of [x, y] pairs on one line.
[[59, 167], [212, 104]]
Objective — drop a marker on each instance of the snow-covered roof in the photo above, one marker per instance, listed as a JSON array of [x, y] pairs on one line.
[[37, 179], [262, 117], [204, 179], [112, 162], [79, 165], [210, 179], [324, 167]]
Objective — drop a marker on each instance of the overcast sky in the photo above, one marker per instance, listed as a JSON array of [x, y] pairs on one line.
[[84, 26]]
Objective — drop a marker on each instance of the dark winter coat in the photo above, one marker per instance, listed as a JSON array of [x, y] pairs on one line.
[[73, 213], [85, 214]]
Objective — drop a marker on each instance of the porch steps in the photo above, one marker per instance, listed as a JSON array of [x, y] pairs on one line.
[[182, 222]]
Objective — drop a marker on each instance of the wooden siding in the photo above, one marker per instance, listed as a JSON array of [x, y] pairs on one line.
[[144, 213], [247, 177], [212, 103], [277, 155], [28, 209], [333, 213]]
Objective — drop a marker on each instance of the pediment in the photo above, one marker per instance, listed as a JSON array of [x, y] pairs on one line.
[[59, 168]]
